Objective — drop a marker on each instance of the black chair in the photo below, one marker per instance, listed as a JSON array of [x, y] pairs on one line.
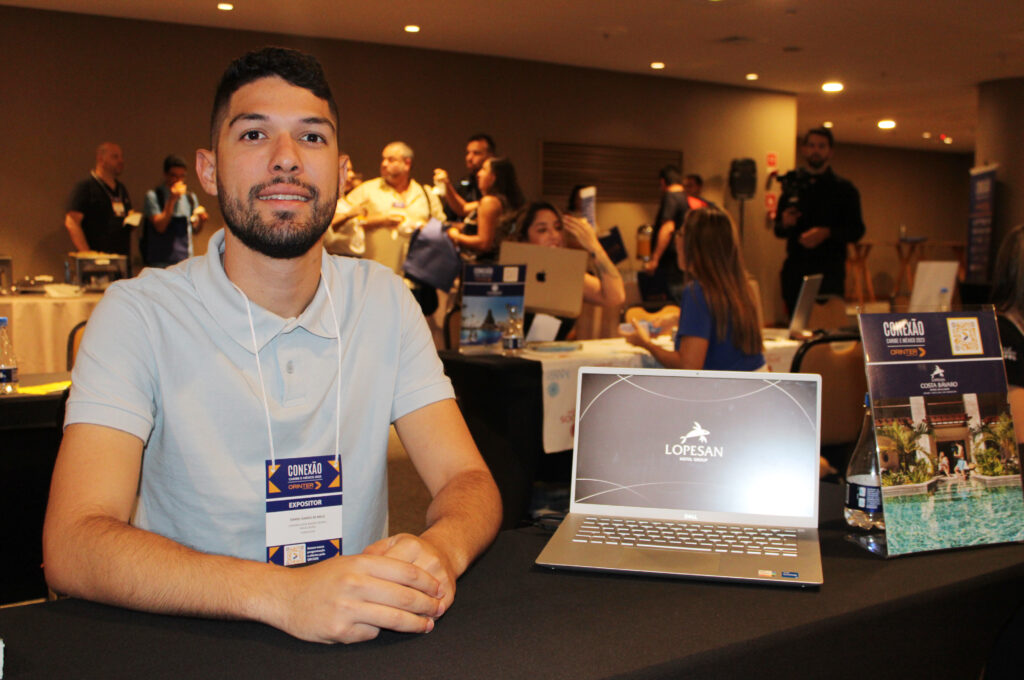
[[839, 359], [74, 339]]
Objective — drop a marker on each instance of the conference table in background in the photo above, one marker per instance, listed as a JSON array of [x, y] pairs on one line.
[[521, 407], [40, 326], [932, 616]]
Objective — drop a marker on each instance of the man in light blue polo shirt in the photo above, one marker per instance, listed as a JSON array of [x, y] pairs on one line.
[[195, 384]]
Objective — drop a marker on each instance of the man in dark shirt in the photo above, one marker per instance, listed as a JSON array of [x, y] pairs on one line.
[[662, 279], [461, 198], [99, 209], [819, 215]]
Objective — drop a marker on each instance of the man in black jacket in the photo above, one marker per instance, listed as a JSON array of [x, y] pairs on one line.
[[819, 214]]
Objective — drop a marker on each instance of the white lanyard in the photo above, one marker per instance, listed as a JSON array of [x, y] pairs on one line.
[[263, 388]]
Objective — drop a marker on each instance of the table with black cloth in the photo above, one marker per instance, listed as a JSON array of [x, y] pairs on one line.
[[922, 616], [30, 433], [500, 398]]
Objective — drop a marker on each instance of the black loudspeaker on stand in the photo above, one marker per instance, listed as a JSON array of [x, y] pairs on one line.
[[742, 182]]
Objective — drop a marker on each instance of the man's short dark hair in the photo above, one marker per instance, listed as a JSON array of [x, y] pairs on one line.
[[486, 139], [821, 132], [173, 161], [670, 174], [697, 179], [294, 67]]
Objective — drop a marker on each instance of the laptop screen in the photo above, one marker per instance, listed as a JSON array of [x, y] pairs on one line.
[[698, 445]]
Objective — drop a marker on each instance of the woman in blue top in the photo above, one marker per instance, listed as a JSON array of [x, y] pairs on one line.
[[719, 324]]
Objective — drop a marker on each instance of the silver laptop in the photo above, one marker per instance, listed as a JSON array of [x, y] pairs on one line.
[[934, 282], [801, 313], [703, 474], [805, 305], [554, 277]]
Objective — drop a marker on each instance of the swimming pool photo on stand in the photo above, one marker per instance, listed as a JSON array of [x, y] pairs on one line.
[[955, 514]]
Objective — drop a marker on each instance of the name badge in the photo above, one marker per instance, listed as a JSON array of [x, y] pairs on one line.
[[303, 499], [118, 208]]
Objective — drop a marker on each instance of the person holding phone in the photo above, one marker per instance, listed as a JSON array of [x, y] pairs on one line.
[[541, 224], [719, 324]]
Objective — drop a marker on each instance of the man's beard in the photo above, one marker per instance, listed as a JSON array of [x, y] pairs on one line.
[[816, 162], [284, 237]]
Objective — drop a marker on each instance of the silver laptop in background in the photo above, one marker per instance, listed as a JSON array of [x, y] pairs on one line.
[[804, 306], [554, 277], [805, 302], [703, 474], [934, 283]]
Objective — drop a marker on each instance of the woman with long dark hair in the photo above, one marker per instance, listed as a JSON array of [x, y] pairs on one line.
[[542, 224], [719, 323], [481, 232]]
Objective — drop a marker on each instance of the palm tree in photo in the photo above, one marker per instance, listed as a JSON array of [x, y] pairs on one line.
[[1002, 437], [907, 443]]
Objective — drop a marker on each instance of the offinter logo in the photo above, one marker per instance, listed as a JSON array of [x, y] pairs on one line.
[[694, 453]]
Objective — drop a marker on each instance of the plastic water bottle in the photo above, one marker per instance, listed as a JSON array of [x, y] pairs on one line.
[[512, 332], [8, 364], [863, 508], [644, 239]]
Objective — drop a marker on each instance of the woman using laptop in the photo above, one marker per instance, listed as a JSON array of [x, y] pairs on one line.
[[479, 235], [719, 323], [543, 225]]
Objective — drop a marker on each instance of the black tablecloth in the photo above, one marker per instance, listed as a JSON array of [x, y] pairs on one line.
[[500, 398], [923, 616], [30, 433]]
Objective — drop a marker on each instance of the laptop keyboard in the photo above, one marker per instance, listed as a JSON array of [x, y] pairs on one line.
[[688, 536]]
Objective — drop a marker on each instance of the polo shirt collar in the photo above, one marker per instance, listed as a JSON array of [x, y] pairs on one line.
[[227, 305]]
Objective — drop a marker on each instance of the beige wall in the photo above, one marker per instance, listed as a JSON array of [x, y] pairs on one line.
[[82, 80], [79, 80], [927, 191]]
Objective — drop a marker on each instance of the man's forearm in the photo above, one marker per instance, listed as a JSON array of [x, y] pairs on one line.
[[454, 201], [163, 218], [666, 233], [464, 517], [76, 232], [101, 558]]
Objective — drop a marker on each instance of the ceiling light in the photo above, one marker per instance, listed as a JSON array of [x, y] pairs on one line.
[[886, 124], [225, 6], [752, 76], [827, 124], [412, 28], [926, 135], [832, 86], [657, 65], [947, 140]]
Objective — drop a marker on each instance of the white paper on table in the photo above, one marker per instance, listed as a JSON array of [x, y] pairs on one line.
[[543, 329]]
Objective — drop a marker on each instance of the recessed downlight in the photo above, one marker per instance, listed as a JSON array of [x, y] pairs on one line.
[[225, 6], [832, 86], [657, 65], [926, 135], [827, 124], [886, 124], [412, 28], [752, 76]]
